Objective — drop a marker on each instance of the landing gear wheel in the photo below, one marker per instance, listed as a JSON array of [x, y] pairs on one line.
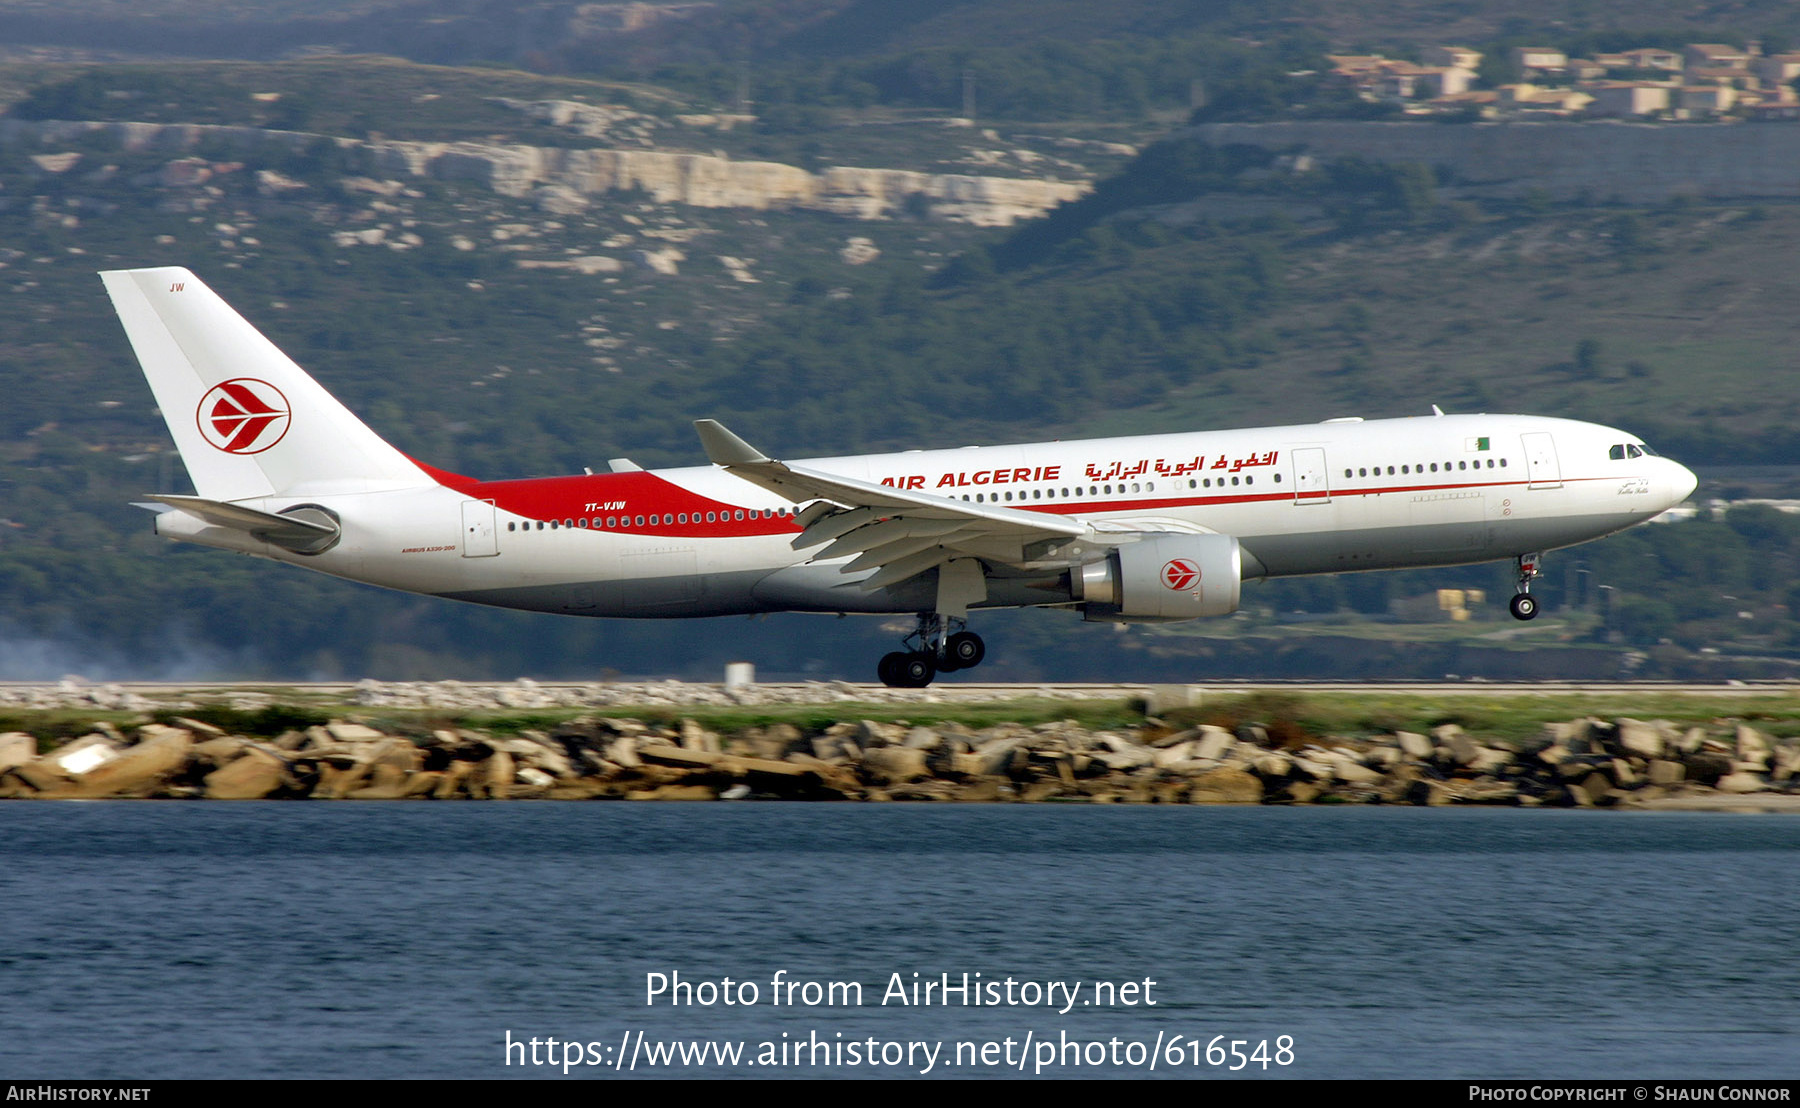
[[888, 669], [964, 650], [1524, 606], [915, 670]]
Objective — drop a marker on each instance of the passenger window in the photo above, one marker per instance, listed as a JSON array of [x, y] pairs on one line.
[[1346, 473], [1250, 480], [512, 527], [611, 522], [1462, 465], [1502, 463], [1234, 480], [1434, 467], [1278, 478]]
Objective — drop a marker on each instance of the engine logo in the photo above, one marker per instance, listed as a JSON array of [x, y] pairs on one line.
[[1181, 575], [243, 416]]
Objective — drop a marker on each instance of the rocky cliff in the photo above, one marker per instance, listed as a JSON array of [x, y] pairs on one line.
[[668, 177]]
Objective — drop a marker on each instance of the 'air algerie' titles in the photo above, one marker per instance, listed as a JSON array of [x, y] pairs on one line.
[[1125, 470], [966, 479]]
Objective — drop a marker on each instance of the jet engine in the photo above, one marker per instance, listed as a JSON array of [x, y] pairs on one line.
[[1161, 578]]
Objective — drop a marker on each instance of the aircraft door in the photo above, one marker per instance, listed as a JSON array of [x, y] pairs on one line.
[[480, 535], [1311, 485], [1540, 460]]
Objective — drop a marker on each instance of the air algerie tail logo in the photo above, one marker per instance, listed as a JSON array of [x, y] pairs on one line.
[[1181, 575], [243, 416]]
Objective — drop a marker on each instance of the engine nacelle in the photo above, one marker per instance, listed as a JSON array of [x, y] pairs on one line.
[[1162, 578]]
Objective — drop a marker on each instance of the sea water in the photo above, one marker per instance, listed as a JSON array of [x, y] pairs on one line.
[[163, 939]]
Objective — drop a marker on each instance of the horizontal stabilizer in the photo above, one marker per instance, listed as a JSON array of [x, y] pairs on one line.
[[288, 531]]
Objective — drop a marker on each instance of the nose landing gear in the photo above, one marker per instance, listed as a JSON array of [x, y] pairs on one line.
[[940, 644], [1524, 605]]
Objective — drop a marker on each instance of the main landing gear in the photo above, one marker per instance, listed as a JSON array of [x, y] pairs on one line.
[[940, 644], [1524, 605]]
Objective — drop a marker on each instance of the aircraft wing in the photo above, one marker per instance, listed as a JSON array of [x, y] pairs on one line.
[[900, 533]]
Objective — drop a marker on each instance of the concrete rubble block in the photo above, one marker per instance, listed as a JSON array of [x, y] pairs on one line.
[[1314, 764], [497, 775], [1352, 772], [1665, 772], [1490, 759], [1300, 792], [1214, 742], [198, 728], [338, 781], [1427, 792], [1643, 739], [1225, 786], [923, 738], [1272, 764], [774, 741], [17, 748], [869, 733], [1691, 740], [1487, 790], [1596, 785], [1753, 746], [1623, 774], [344, 732], [451, 780], [1553, 755], [1463, 750], [423, 783], [1173, 738], [894, 765], [40, 776], [78, 756], [254, 774], [384, 782], [219, 751], [137, 770], [1707, 766], [1741, 782], [663, 754], [675, 792], [696, 737], [1414, 745], [623, 752], [1167, 755]]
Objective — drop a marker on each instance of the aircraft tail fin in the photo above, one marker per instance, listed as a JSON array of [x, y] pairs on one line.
[[247, 420]]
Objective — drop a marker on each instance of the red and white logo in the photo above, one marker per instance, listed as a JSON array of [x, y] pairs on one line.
[[1180, 575], [243, 416]]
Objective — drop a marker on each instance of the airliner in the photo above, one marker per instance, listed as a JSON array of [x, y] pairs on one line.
[[1149, 528]]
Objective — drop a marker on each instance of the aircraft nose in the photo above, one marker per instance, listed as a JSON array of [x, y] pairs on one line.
[[1682, 483]]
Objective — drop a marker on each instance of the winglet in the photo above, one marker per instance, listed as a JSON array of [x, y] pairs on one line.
[[725, 448]]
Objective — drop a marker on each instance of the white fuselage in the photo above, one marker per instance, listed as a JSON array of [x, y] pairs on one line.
[[1315, 498]]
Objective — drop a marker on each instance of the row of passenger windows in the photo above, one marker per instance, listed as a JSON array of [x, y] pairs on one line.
[[666, 519], [1364, 471], [1119, 489]]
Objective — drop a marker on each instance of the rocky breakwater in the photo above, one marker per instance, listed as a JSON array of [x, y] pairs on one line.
[[1580, 763]]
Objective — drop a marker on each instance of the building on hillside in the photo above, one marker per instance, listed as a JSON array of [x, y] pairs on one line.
[[1700, 100], [1777, 69], [1541, 59], [1624, 99], [1650, 57], [1452, 57], [1714, 55]]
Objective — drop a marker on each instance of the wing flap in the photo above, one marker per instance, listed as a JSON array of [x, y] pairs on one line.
[[900, 533]]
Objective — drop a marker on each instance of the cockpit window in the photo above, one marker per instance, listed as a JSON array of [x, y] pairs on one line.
[[1646, 448], [1633, 451], [1617, 453]]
